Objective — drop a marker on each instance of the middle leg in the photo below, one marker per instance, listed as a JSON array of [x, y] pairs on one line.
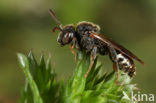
[[92, 58]]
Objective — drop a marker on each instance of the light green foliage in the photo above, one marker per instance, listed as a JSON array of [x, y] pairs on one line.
[[41, 85]]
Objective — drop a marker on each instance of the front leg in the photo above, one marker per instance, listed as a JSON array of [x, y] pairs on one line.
[[74, 44], [92, 58]]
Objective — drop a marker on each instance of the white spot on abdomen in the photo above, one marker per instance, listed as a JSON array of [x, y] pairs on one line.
[[124, 60]]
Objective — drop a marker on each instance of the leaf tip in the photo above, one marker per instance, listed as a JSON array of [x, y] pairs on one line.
[[23, 60]]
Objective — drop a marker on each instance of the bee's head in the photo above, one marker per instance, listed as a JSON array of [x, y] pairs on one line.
[[66, 33]]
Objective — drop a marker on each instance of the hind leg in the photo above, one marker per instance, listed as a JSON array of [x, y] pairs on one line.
[[116, 69], [113, 55], [92, 58]]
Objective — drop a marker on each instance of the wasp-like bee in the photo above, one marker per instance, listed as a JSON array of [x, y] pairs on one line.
[[86, 36]]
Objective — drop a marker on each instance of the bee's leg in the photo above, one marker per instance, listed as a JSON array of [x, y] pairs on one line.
[[113, 55], [116, 69], [92, 58], [72, 46], [73, 52]]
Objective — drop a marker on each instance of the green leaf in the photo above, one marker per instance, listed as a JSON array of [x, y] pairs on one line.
[[41, 85], [40, 80], [25, 66]]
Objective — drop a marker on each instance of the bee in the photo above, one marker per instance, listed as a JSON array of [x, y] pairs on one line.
[[86, 36]]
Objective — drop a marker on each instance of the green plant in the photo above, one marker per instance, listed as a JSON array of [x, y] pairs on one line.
[[41, 85]]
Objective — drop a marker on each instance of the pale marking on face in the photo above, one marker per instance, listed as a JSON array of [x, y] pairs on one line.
[[66, 35], [71, 35]]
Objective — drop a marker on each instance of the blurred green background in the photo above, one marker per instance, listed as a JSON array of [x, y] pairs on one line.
[[26, 25]]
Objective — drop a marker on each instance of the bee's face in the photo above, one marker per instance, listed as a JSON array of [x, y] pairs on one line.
[[66, 35]]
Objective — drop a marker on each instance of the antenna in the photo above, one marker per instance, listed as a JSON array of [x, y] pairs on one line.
[[56, 19]]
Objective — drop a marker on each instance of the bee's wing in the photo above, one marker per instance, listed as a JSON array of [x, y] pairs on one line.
[[116, 46]]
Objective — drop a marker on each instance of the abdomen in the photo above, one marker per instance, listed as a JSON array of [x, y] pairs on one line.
[[126, 64]]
